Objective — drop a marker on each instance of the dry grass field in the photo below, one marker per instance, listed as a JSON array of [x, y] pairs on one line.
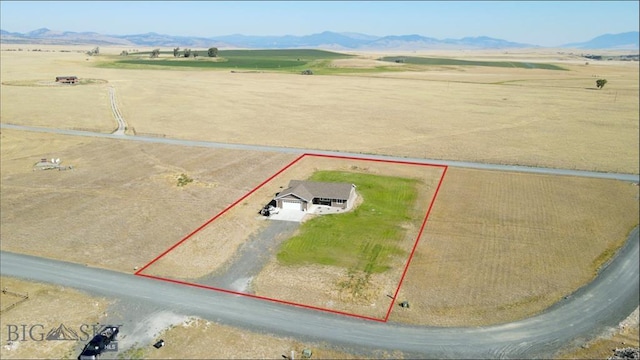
[[48, 306], [500, 115], [120, 206], [51, 306], [498, 246], [200, 339], [503, 246]]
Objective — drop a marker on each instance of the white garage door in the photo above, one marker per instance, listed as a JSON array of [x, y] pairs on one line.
[[291, 205]]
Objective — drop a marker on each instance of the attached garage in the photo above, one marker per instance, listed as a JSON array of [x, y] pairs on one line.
[[292, 205]]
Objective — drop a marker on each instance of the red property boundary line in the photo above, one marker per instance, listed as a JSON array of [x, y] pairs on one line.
[[404, 272]]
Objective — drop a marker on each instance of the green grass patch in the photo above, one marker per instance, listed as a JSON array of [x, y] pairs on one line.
[[455, 62], [365, 239], [286, 60]]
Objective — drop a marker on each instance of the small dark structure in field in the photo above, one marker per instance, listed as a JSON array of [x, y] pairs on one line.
[[67, 79], [307, 72]]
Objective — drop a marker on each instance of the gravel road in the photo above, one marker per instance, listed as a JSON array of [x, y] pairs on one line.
[[596, 307], [472, 165]]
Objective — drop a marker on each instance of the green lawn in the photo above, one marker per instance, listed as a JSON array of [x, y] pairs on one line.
[[365, 239]]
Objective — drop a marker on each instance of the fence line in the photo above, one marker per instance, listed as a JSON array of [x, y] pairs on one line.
[[24, 297]]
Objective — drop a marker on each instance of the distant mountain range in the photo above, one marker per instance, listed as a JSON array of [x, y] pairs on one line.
[[628, 40], [324, 40]]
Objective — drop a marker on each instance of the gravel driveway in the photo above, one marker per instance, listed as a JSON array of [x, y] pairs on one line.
[[252, 256]]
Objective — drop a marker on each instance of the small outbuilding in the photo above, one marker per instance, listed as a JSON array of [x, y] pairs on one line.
[[67, 79]]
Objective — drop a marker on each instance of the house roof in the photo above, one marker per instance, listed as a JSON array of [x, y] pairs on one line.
[[308, 190]]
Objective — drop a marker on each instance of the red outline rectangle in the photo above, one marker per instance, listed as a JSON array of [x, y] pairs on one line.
[[404, 272]]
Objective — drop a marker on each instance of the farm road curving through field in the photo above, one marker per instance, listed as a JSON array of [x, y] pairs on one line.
[[600, 305], [210, 144], [122, 125]]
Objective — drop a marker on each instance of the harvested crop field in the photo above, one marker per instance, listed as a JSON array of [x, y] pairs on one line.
[[532, 117], [120, 205], [505, 246]]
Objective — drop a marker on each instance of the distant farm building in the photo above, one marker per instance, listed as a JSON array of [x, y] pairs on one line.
[[67, 79], [301, 195]]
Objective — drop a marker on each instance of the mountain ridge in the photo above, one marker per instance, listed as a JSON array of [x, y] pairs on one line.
[[325, 39]]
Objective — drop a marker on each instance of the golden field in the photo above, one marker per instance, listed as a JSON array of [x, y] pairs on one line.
[[498, 115], [499, 246]]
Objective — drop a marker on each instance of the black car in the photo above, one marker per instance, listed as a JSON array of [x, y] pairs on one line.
[[99, 343]]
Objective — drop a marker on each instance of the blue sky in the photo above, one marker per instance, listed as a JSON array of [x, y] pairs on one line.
[[545, 23]]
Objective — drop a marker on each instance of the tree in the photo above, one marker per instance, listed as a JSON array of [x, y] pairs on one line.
[[600, 83], [94, 51], [195, 54], [187, 53], [155, 53], [175, 52], [124, 53], [213, 52]]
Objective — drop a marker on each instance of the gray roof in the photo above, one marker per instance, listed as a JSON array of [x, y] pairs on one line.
[[308, 190]]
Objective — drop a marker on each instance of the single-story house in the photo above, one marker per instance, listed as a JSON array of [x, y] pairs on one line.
[[67, 79], [300, 195]]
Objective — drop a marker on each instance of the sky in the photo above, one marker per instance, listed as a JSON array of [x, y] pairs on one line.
[[544, 23]]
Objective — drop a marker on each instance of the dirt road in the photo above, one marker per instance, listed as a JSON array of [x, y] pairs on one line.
[[122, 125], [472, 165]]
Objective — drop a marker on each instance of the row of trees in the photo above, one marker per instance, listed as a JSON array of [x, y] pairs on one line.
[[212, 52]]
